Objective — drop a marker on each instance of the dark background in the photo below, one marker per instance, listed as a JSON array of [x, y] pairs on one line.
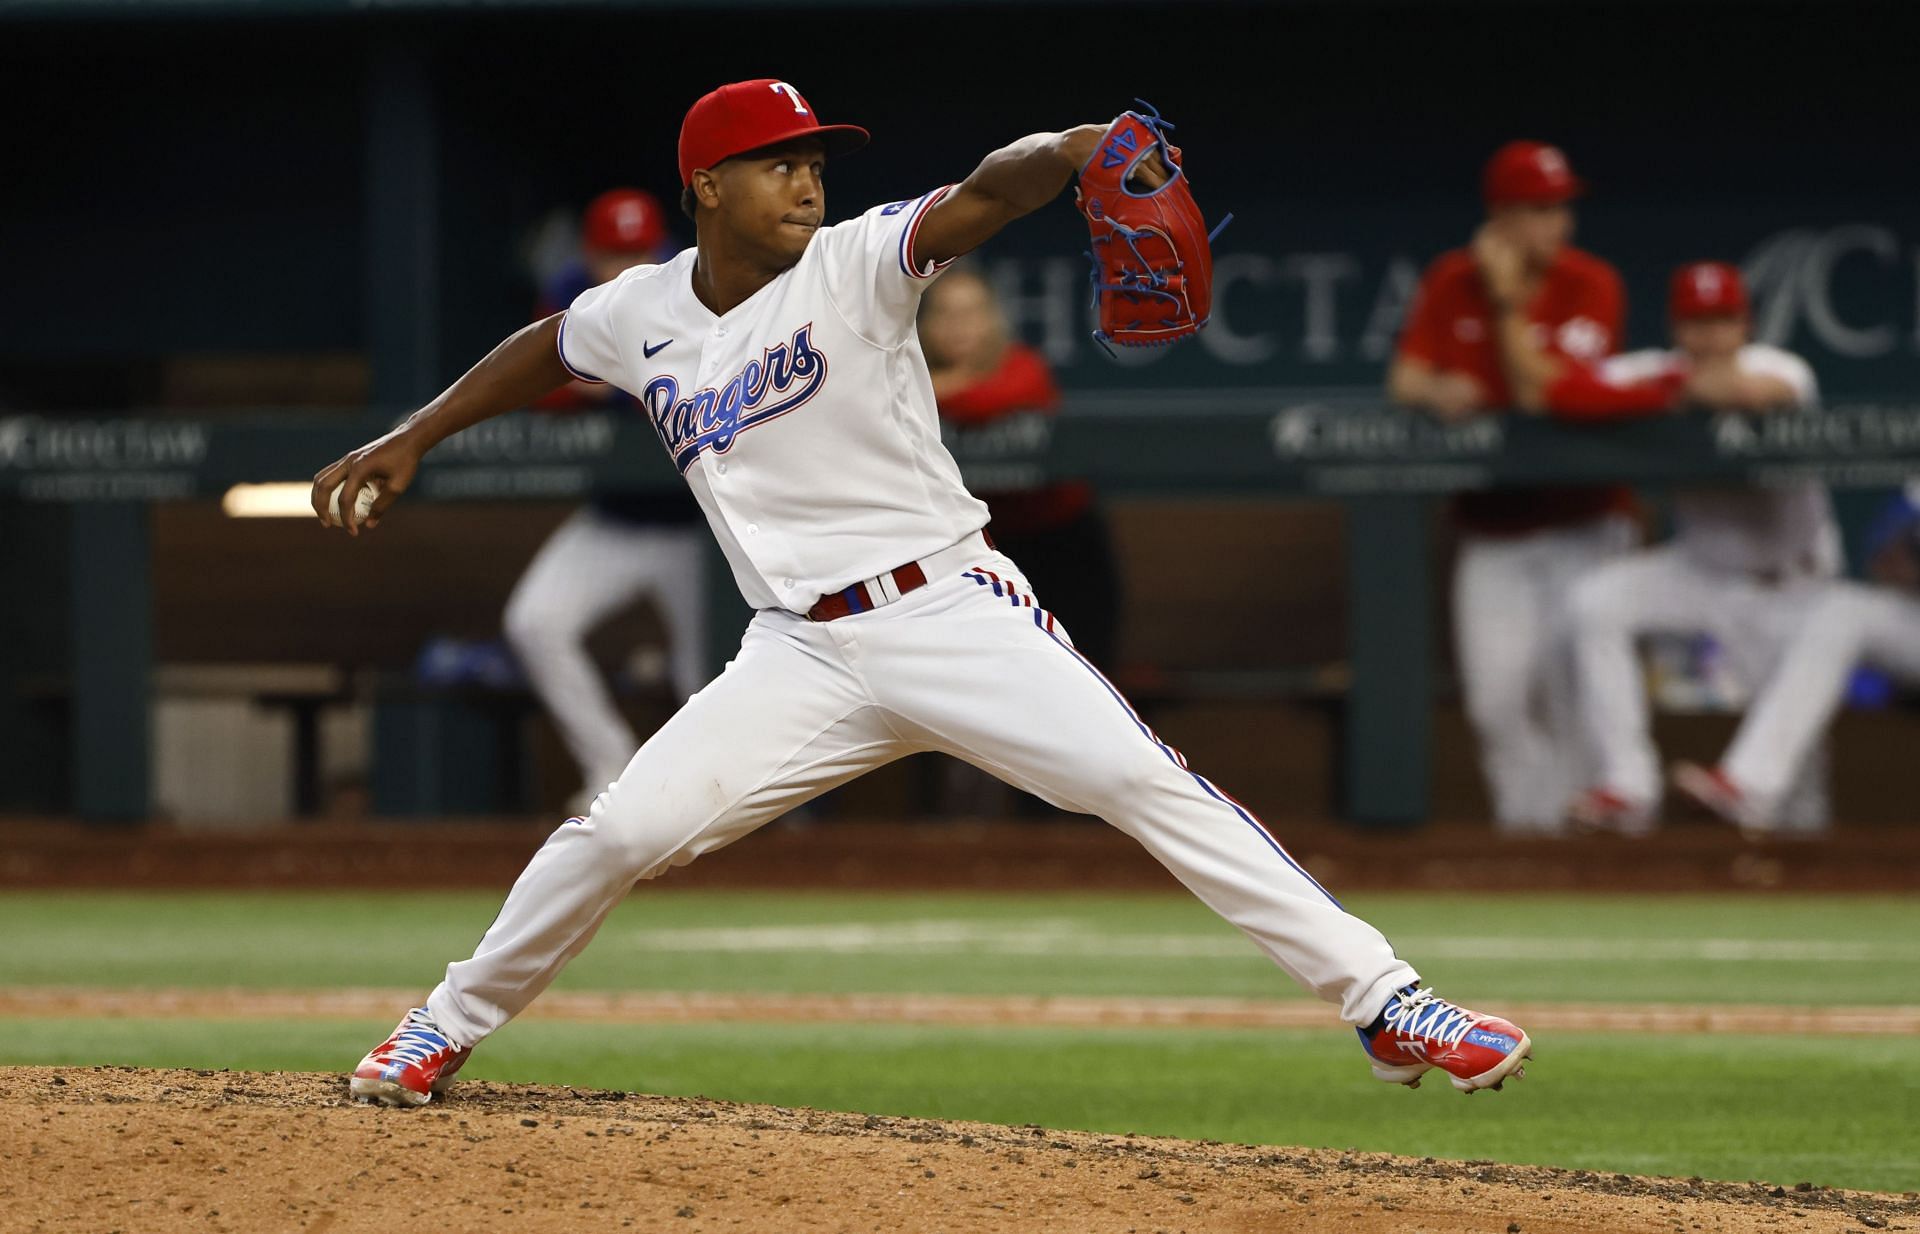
[[283, 203], [202, 183]]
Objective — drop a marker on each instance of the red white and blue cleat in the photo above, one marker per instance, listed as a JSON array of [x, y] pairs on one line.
[[409, 1067], [1419, 1030]]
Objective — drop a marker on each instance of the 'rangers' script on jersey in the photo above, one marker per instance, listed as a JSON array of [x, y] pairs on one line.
[[710, 418]]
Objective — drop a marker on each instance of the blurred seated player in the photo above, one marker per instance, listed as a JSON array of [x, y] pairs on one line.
[[1743, 566], [616, 549], [1846, 624], [1520, 549], [982, 380]]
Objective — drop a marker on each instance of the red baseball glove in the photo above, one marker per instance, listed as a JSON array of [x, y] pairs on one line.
[[1152, 260]]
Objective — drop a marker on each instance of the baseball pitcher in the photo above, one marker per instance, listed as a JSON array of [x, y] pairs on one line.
[[778, 363]]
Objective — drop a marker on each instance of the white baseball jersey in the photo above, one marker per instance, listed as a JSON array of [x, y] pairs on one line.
[[1777, 531], [803, 418]]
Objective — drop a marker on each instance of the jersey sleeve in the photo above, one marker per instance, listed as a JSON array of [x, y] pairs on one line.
[[1420, 337], [1021, 383], [1584, 391], [871, 275], [1798, 374], [1605, 302], [1636, 366], [589, 344]]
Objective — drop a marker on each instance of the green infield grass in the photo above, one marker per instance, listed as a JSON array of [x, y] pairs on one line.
[[1837, 1111], [1798, 950]]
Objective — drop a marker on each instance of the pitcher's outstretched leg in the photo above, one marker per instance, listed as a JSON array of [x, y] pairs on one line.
[[984, 672], [784, 723]]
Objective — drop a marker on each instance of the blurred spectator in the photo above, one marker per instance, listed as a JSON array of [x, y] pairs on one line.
[[616, 549], [1845, 624], [983, 380], [1520, 549], [1743, 565]]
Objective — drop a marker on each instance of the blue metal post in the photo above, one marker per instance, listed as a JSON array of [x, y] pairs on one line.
[[112, 659], [1389, 718]]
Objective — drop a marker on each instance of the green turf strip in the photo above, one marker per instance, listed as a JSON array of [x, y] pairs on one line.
[[1832, 1111], [1766, 949]]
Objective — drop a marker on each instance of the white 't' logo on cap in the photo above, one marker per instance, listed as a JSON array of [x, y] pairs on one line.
[[793, 96]]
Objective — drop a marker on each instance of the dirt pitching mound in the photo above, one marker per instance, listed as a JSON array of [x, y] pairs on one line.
[[108, 1148]]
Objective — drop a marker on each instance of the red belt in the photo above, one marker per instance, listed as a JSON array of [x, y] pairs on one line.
[[859, 598]]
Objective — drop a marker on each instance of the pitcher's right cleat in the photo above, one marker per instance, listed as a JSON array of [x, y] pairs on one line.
[[409, 1067], [1419, 1031]]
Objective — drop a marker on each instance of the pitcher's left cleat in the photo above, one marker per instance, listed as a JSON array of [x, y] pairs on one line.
[[1419, 1030], [409, 1067]]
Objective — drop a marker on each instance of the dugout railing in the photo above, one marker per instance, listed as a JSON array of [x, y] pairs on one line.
[[1386, 466]]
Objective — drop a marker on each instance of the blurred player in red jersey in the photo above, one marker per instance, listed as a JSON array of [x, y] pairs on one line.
[[616, 549], [984, 381], [1520, 549]]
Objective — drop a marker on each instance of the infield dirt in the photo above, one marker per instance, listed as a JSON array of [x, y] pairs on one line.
[[105, 1148]]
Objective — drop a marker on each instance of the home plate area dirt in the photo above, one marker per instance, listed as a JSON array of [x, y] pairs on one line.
[[105, 1149]]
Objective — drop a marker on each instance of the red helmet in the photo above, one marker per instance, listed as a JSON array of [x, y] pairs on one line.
[[1707, 289], [624, 221], [1529, 171]]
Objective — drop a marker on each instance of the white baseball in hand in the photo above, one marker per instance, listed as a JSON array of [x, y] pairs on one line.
[[362, 506]]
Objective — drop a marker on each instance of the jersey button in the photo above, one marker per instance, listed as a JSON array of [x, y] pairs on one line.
[[723, 469], [753, 529], [787, 583]]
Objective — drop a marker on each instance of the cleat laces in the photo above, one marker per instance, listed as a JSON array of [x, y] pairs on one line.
[[417, 1040], [1424, 1014]]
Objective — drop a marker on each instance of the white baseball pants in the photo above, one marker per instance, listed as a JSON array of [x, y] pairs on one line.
[[968, 664], [1846, 623], [589, 569], [1664, 591], [1516, 672]]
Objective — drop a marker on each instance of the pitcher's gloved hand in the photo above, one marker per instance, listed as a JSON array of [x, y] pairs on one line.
[[1152, 255]]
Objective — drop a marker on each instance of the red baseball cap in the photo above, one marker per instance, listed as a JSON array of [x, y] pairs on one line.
[[1529, 171], [624, 221], [1707, 289], [746, 115]]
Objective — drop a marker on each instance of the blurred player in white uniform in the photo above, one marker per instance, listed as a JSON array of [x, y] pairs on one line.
[[1744, 565], [617, 549], [1847, 624]]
